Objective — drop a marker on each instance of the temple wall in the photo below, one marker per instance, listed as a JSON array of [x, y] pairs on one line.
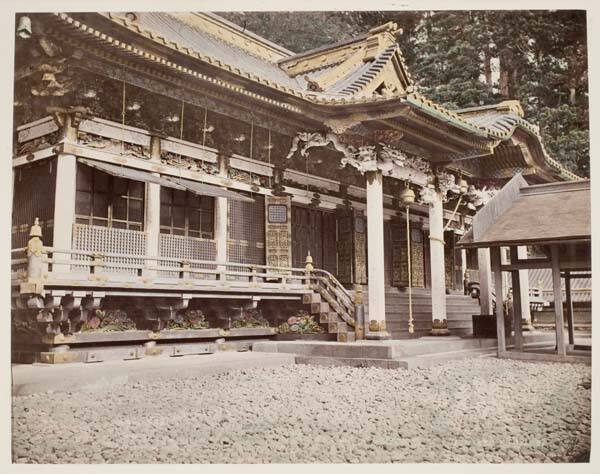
[[33, 196], [246, 231]]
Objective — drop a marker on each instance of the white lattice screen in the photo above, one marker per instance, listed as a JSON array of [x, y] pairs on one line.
[[104, 239], [176, 246]]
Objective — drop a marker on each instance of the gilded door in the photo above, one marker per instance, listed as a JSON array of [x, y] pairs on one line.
[[278, 231], [351, 247], [399, 247]]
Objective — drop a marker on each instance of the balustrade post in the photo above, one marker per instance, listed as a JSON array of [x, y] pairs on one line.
[[97, 263], [35, 261], [308, 268], [359, 313], [185, 270]]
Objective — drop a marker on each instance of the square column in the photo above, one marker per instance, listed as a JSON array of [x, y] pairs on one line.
[[558, 302], [221, 228], [64, 209], [485, 281], [65, 197], [221, 218], [152, 221], [436, 252], [375, 255], [496, 260], [524, 286]]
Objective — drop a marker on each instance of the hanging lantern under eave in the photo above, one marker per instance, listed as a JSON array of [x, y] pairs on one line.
[[407, 196]]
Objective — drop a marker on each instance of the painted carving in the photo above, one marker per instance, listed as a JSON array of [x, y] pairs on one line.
[[363, 158], [479, 197], [398, 158], [172, 159], [447, 183], [316, 139], [113, 145], [427, 195], [37, 144]]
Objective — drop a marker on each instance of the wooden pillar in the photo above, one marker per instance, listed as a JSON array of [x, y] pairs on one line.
[[495, 264], [152, 224], [221, 209], [524, 286], [558, 307], [569, 308], [64, 199], [436, 252], [375, 254], [463, 268], [485, 281], [517, 300]]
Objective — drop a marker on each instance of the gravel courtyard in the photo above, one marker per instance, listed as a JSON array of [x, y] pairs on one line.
[[473, 410]]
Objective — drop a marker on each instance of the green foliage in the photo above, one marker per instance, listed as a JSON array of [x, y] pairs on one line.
[[252, 318], [108, 321], [470, 58], [565, 136], [189, 319]]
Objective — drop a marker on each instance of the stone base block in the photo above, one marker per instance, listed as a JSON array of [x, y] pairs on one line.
[[378, 335]]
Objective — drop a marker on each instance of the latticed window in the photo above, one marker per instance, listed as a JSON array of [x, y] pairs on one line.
[[185, 213], [108, 201]]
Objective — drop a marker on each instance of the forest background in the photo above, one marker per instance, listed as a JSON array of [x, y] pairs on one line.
[[469, 58]]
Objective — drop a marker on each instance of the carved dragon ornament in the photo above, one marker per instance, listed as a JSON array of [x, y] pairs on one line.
[[363, 158]]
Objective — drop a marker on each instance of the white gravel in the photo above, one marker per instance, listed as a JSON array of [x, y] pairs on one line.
[[473, 410]]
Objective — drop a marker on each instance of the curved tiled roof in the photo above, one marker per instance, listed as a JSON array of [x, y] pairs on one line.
[[487, 122], [503, 121]]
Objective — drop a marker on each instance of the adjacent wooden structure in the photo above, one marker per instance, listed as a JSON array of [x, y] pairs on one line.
[[554, 217]]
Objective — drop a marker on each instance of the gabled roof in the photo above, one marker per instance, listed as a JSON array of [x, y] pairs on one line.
[[352, 68], [521, 214], [506, 117], [369, 64]]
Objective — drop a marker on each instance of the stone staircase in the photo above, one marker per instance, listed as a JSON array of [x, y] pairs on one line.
[[459, 311], [330, 314], [334, 309]]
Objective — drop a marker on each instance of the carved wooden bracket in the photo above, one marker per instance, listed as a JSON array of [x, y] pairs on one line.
[[378, 157]]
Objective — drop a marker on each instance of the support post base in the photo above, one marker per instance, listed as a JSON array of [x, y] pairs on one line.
[[526, 325], [378, 335], [440, 332]]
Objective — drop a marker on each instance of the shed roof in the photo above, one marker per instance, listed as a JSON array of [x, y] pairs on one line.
[[543, 213]]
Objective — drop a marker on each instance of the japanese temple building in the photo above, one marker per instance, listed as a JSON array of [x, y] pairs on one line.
[[174, 161]]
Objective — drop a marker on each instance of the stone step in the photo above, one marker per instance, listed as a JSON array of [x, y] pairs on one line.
[[348, 362], [318, 308], [346, 336], [430, 360], [331, 317], [309, 298], [337, 327]]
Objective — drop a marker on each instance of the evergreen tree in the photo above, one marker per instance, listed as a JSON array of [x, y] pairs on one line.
[[468, 58]]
